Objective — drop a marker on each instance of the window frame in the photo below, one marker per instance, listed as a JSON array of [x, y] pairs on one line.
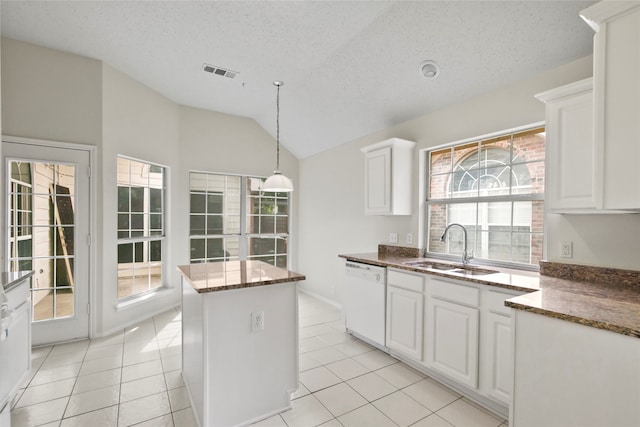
[[244, 236], [145, 240], [425, 202]]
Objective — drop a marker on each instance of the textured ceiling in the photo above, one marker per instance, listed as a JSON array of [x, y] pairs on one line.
[[350, 68]]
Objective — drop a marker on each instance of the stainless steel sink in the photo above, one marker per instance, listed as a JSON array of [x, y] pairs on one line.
[[448, 268], [472, 271]]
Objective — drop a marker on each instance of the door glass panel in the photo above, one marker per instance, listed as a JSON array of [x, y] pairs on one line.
[[42, 234]]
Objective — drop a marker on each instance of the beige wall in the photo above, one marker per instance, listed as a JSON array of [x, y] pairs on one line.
[[332, 219]]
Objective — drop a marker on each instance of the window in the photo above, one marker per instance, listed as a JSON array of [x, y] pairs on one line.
[[141, 233], [495, 188], [231, 219]]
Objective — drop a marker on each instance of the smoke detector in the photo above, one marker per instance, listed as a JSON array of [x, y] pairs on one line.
[[430, 70], [218, 71]]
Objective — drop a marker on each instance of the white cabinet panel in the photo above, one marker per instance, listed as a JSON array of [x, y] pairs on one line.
[[616, 91], [572, 174], [404, 321], [452, 340], [388, 177], [500, 366]]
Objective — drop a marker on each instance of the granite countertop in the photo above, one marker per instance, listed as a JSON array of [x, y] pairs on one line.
[[13, 278], [603, 298], [222, 276]]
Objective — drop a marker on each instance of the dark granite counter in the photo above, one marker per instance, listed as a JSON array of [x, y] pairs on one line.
[[603, 298], [222, 276]]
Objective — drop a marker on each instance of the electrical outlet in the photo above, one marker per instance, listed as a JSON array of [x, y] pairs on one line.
[[393, 237], [409, 238], [257, 321], [566, 250]]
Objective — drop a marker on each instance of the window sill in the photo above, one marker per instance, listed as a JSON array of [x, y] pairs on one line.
[[136, 301]]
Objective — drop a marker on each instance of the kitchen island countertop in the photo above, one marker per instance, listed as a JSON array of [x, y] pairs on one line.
[[221, 276]]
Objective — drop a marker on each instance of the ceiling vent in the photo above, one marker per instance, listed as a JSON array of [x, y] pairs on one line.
[[219, 71]]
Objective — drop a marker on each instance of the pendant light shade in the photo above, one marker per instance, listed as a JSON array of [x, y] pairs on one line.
[[277, 182]]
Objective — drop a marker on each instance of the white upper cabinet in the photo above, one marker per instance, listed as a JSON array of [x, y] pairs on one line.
[[388, 173], [616, 92], [571, 172]]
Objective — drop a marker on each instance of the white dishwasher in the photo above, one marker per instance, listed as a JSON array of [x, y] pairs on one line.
[[365, 296]]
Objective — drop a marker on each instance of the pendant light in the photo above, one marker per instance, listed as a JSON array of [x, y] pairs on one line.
[[277, 182]]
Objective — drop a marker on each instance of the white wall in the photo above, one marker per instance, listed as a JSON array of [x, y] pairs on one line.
[[332, 219], [54, 95]]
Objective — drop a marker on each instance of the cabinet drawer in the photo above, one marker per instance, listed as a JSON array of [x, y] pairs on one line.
[[495, 302], [454, 292], [410, 282]]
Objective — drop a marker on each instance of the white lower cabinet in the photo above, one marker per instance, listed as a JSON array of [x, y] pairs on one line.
[[452, 340], [499, 363], [405, 308]]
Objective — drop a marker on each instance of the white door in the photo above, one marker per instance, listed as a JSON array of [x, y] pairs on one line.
[[47, 229]]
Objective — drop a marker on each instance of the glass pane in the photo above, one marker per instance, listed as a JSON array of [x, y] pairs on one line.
[[155, 250], [216, 183], [261, 246], [232, 224], [123, 223], [267, 206], [267, 225], [437, 216], [465, 183], [214, 224], [21, 171], [494, 181], [496, 151], [137, 199], [253, 186], [42, 210], [282, 225], [215, 248], [43, 177], [521, 247], [233, 185], [64, 241], [42, 305], [125, 282], [139, 246], [537, 241], [440, 161], [197, 225], [528, 178], [281, 245], [198, 203], [440, 186], [232, 247], [123, 199], [198, 181], [215, 203], [282, 207], [467, 153], [155, 200], [137, 224], [529, 145], [125, 253], [64, 302], [499, 239], [197, 249], [155, 222], [281, 261]]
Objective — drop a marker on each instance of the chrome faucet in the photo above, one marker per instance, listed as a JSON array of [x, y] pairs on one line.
[[466, 255]]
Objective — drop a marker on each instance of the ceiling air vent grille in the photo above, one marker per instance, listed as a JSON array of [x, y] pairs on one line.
[[219, 71]]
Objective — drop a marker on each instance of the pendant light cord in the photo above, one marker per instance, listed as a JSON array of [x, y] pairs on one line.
[[278, 126]]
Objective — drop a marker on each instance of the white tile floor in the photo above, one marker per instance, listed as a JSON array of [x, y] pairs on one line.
[[133, 378]]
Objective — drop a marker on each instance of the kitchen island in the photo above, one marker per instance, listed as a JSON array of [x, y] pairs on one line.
[[239, 340]]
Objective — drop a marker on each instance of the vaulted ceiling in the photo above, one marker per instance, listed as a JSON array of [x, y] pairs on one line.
[[350, 68]]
